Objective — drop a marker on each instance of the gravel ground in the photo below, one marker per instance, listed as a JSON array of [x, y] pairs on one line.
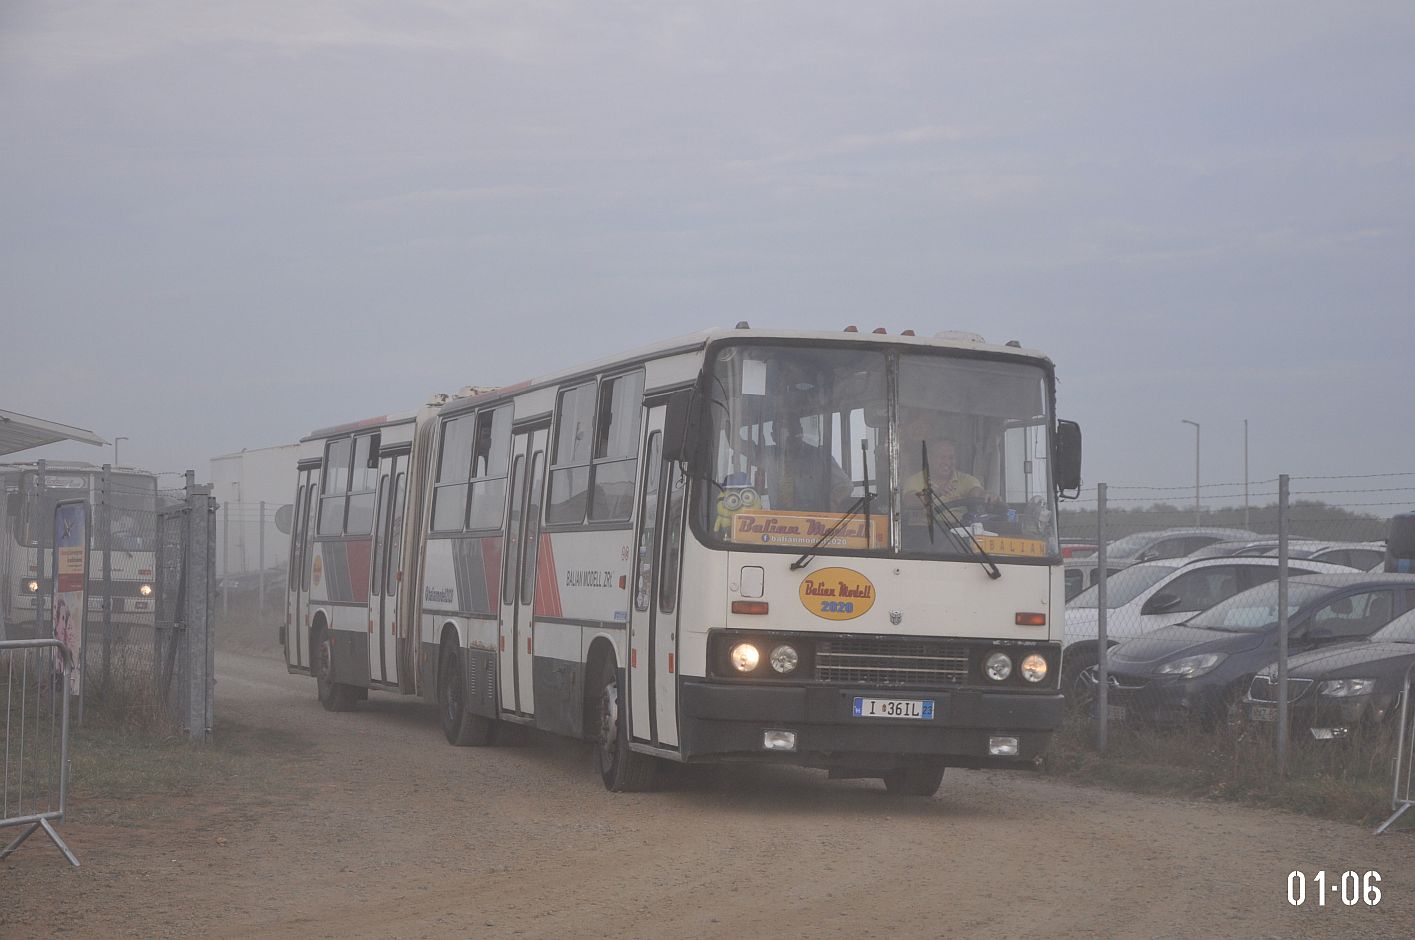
[[370, 825]]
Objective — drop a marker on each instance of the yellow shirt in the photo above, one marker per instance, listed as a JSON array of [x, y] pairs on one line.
[[960, 485]]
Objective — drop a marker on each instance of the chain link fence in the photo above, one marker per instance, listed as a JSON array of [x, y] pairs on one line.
[[1270, 637]]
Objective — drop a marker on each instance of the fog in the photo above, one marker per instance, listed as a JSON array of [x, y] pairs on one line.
[[225, 226]]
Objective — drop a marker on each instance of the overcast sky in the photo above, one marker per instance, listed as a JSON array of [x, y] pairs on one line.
[[225, 224]]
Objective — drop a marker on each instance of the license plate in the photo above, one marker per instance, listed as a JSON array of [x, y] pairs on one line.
[[922, 709], [1115, 712], [1262, 713]]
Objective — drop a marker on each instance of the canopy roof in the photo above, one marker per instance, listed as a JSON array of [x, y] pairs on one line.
[[21, 432]]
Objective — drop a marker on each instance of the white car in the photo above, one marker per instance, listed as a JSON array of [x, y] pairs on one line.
[[1153, 594]]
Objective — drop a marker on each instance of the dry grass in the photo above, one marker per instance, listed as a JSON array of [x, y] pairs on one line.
[[1346, 780]]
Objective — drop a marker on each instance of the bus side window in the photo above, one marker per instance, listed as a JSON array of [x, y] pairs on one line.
[[643, 563], [570, 470], [335, 477], [307, 558], [616, 449]]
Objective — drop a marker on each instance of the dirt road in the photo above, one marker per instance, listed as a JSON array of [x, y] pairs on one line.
[[374, 827]]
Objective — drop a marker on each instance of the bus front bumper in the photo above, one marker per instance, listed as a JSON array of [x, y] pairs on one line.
[[730, 721]]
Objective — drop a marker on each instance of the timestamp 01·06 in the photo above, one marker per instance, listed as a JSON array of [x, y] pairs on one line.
[[1352, 887]]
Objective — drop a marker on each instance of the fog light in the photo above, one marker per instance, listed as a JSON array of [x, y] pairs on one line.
[[784, 659], [779, 740], [1002, 747], [1034, 668], [745, 657], [998, 667], [145, 590]]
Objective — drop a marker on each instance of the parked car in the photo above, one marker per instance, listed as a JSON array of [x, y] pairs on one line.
[[1154, 594], [1365, 556], [1199, 670], [1146, 546], [1334, 692]]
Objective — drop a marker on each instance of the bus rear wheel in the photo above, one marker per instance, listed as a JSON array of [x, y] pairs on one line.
[[334, 696], [460, 727], [914, 781], [622, 770]]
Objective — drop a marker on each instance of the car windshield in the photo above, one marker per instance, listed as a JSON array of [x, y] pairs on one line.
[[1399, 630], [954, 452], [1128, 545], [1255, 610], [1122, 587]]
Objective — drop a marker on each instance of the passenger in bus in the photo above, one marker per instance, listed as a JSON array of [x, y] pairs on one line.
[[803, 476]]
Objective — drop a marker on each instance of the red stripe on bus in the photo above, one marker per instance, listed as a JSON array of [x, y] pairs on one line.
[[359, 554], [547, 584], [491, 571]]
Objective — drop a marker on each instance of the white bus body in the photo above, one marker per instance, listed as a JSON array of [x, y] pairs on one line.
[[133, 518], [632, 553]]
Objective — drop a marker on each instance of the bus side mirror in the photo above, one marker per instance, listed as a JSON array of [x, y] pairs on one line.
[[1068, 459], [374, 441], [680, 426]]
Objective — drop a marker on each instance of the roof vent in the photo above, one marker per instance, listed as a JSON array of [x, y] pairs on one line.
[[1014, 344], [907, 333], [743, 325], [880, 329], [852, 328]]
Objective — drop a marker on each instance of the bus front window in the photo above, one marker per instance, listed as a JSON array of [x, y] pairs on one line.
[[798, 434]]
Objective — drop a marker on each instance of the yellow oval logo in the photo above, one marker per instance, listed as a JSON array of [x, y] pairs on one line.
[[318, 570], [837, 593]]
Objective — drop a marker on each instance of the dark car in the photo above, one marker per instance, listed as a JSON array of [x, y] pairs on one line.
[[1200, 669], [1332, 693]]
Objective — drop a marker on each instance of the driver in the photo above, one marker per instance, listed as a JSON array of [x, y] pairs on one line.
[[949, 483]]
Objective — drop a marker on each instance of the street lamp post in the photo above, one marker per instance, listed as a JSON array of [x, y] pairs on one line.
[[1245, 473], [115, 449], [1196, 467]]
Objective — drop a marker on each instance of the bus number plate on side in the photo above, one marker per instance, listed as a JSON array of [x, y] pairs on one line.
[[894, 708]]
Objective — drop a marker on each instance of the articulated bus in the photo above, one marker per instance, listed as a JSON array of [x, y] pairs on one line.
[[131, 504], [832, 549]]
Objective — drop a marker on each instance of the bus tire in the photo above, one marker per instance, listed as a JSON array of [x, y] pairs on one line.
[[460, 727], [913, 781], [334, 696], [622, 770]]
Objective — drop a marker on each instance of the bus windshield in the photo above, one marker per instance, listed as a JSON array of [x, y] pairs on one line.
[[936, 454]]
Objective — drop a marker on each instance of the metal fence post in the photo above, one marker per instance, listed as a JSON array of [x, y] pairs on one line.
[[105, 531], [1282, 623], [1102, 658], [260, 566], [225, 558], [200, 566]]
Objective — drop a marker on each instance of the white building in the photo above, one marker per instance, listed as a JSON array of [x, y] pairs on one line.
[[241, 483]]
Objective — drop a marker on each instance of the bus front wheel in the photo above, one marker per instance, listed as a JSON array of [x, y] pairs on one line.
[[622, 770], [459, 726]]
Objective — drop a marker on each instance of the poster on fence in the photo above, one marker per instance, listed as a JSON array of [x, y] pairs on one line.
[[71, 579]]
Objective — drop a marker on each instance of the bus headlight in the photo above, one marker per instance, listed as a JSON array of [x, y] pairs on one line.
[[744, 657], [1034, 668], [784, 659], [32, 586], [998, 666], [145, 590]]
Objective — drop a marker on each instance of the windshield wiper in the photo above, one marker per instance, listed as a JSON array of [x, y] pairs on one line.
[[936, 506], [862, 503]]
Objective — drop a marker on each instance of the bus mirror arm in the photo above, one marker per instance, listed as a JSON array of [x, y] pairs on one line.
[[680, 426]]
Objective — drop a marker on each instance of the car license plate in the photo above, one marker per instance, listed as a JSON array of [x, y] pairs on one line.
[[1115, 712], [922, 709], [1262, 713]]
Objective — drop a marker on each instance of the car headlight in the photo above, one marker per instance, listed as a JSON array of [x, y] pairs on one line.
[[145, 590], [1190, 667], [745, 657], [1345, 688], [1034, 668], [784, 659], [32, 586], [998, 666]]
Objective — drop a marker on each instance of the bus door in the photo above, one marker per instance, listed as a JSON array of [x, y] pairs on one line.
[[383, 571], [518, 582], [297, 649], [653, 621]]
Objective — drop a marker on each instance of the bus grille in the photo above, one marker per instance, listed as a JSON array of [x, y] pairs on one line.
[[891, 662]]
